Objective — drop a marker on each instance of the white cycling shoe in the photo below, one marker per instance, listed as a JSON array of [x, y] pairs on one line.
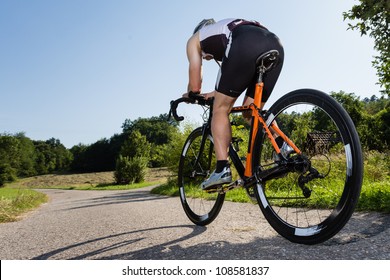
[[224, 177]]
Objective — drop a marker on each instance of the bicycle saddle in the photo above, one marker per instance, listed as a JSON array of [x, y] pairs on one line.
[[267, 60]]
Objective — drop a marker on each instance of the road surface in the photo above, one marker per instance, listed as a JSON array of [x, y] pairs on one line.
[[137, 225]]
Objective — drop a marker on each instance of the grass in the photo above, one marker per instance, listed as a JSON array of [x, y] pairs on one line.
[[14, 202], [375, 193], [373, 197]]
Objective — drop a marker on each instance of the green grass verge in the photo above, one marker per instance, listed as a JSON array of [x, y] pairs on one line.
[[14, 202], [375, 193], [375, 196]]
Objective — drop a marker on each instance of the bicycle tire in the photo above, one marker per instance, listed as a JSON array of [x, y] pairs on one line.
[[200, 207], [333, 198]]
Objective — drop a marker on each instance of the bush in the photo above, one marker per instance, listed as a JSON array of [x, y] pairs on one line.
[[130, 170]]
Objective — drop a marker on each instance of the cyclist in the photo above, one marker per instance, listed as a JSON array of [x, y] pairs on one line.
[[237, 43]]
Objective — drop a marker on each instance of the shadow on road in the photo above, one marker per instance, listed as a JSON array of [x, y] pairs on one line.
[[141, 195], [129, 239], [361, 232]]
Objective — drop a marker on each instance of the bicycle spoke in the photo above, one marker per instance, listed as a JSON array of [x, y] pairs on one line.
[[196, 163], [305, 202]]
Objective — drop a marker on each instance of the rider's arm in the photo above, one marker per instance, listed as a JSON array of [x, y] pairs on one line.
[[195, 64]]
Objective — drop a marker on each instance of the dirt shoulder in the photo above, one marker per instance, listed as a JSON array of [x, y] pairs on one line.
[[96, 178]]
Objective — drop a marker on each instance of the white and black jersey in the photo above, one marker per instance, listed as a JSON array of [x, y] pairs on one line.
[[238, 43], [214, 38]]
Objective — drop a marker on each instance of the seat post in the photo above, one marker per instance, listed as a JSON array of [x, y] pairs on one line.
[[261, 70], [258, 94], [264, 63]]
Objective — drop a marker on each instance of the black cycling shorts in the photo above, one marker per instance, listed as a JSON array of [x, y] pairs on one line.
[[238, 69]]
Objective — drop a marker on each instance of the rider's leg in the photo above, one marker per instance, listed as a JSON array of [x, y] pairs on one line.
[[222, 134], [220, 124]]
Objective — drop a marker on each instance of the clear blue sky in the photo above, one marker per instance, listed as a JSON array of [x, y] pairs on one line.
[[76, 69]]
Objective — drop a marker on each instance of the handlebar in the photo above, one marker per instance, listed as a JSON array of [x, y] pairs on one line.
[[193, 98]]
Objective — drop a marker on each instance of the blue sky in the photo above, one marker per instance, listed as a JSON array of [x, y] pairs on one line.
[[76, 69]]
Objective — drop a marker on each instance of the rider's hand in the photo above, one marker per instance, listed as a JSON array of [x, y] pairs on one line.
[[188, 94], [204, 95]]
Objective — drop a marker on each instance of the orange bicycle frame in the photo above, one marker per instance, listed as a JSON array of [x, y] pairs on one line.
[[259, 122]]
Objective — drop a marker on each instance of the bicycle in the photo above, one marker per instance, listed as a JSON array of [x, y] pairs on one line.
[[306, 194]]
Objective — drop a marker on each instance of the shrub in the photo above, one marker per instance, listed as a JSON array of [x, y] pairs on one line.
[[130, 170]]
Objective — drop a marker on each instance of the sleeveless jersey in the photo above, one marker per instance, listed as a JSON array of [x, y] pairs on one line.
[[214, 38]]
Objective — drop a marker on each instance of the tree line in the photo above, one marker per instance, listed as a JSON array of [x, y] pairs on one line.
[[145, 138], [22, 157], [157, 142]]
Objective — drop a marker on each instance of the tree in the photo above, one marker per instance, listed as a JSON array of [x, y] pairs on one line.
[[63, 157], [51, 156], [79, 163], [27, 156], [373, 17], [351, 104], [97, 157], [7, 173], [157, 130], [371, 118], [303, 125], [9, 158], [136, 145], [9, 150], [22, 157]]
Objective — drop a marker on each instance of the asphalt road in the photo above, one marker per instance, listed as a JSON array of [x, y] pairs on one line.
[[137, 225]]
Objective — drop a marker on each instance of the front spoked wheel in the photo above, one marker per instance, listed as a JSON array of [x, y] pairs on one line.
[[316, 197], [197, 161]]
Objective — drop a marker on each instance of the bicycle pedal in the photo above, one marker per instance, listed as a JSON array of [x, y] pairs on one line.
[[214, 189], [233, 185], [223, 188]]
